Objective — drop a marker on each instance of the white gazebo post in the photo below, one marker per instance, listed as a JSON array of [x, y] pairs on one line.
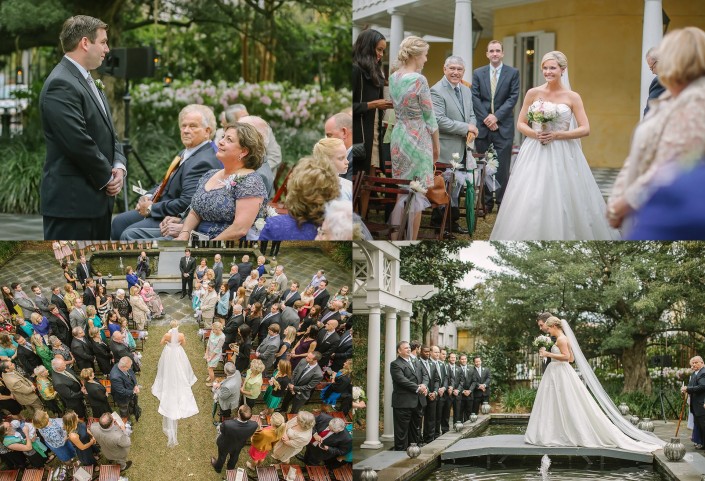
[[405, 327], [396, 34], [462, 35], [390, 354], [651, 37], [355, 33], [373, 343]]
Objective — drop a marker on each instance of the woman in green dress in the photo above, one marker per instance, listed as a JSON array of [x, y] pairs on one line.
[[415, 145], [42, 350]]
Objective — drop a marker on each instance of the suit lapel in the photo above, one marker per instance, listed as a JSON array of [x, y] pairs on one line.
[[84, 83], [451, 93]]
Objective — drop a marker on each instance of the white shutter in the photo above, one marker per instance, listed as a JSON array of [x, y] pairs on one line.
[[508, 45]]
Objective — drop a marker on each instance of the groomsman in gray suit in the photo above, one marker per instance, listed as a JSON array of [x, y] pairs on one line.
[[452, 104], [495, 91]]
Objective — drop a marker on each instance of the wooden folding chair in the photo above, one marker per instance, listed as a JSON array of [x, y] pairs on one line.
[[277, 201], [109, 472], [343, 473], [318, 473], [33, 474], [136, 336], [285, 471], [9, 475], [381, 196], [267, 473], [231, 475]]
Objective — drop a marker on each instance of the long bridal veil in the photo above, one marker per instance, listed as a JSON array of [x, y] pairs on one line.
[[605, 402], [172, 387]]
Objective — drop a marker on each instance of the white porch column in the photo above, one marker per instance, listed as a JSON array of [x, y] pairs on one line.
[[373, 346], [396, 34], [462, 35], [405, 327], [390, 354], [651, 37]]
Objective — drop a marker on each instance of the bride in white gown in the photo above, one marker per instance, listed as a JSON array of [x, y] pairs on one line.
[[173, 383], [552, 194], [566, 414]]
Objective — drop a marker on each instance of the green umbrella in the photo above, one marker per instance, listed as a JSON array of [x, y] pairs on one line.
[[470, 202]]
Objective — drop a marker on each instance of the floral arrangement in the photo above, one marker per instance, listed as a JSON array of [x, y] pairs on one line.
[[455, 162], [232, 180], [491, 159], [543, 341], [358, 394], [261, 221], [418, 187], [542, 112]]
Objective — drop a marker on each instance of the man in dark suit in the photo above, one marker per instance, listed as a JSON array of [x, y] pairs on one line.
[[259, 292], [124, 388], [465, 389], [26, 357], [231, 327], [655, 89], [321, 295], [81, 350], [481, 380], [439, 356], [452, 104], [60, 324], [304, 380], [187, 266], [434, 380], [409, 389], [339, 126], [234, 281], [100, 281], [291, 296], [173, 195], [696, 389], [57, 299], [453, 395], [120, 350], [330, 441], [68, 386], [327, 341], [332, 313], [495, 91], [234, 433], [85, 165], [89, 293], [84, 270], [218, 271], [272, 317], [245, 267], [342, 352]]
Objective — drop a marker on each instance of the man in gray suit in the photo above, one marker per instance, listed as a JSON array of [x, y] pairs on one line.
[[229, 390], [495, 91], [113, 440], [85, 164], [78, 316], [304, 380], [452, 104], [267, 349]]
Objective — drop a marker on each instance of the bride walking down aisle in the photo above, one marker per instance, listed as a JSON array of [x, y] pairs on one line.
[[172, 385], [565, 413], [552, 194]]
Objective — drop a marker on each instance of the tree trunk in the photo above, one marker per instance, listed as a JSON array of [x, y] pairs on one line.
[[636, 375], [424, 327]]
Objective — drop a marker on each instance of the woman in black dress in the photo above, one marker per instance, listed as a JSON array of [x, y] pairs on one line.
[[82, 440], [244, 342], [69, 275], [368, 93], [254, 319], [97, 397], [101, 350]]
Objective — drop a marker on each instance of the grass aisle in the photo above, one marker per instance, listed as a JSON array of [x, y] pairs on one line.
[[152, 459]]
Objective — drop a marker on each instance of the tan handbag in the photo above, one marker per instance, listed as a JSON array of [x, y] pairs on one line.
[[437, 193]]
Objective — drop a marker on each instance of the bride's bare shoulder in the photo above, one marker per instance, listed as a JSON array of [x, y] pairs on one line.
[[182, 339]]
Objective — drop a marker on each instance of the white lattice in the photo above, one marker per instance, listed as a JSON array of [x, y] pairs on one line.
[[360, 275]]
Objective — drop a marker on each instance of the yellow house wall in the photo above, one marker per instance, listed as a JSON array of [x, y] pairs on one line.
[[602, 41]]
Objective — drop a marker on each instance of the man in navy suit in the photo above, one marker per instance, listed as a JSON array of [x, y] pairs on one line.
[[234, 433], [696, 389], [409, 381], [655, 89], [85, 165], [173, 195], [124, 388], [495, 107]]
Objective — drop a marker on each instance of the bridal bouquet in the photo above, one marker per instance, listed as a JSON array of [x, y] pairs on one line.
[[540, 114], [543, 341]]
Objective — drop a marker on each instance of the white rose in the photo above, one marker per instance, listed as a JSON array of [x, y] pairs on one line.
[[549, 109], [456, 156], [259, 223]]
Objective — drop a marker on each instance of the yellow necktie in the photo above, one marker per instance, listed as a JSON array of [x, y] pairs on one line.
[[493, 87], [162, 186]]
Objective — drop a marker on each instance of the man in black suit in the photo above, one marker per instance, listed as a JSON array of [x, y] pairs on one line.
[[173, 195], [330, 441], [465, 389], [234, 281], [304, 380], [68, 386], [89, 293], [60, 324], [438, 356], [85, 165], [26, 357], [187, 266], [245, 267], [84, 270], [291, 296], [655, 89], [434, 380], [234, 433], [81, 350], [259, 292], [124, 388], [273, 317], [495, 91], [328, 339], [453, 394], [696, 389], [120, 350], [321, 295], [57, 299], [342, 352], [481, 379], [232, 325], [409, 389]]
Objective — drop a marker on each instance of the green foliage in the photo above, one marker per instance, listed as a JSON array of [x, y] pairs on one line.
[[22, 173], [519, 400], [342, 255], [649, 405], [8, 249], [19, 16]]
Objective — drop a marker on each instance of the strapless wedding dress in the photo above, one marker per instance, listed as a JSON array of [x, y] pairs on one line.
[[565, 414], [552, 194]]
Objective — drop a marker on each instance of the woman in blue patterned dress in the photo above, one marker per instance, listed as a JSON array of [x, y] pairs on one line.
[[52, 430], [415, 145], [228, 201]]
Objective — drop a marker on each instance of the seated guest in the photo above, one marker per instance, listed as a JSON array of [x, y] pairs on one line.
[[264, 170], [121, 303], [152, 299], [173, 195], [339, 126], [337, 223], [228, 201], [311, 185], [296, 436], [239, 113], [19, 440], [334, 151], [330, 441]]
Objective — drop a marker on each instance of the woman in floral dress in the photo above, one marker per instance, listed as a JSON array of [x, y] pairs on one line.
[[214, 350], [415, 144]]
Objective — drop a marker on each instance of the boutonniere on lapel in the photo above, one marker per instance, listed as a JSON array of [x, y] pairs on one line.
[[99, 83]]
